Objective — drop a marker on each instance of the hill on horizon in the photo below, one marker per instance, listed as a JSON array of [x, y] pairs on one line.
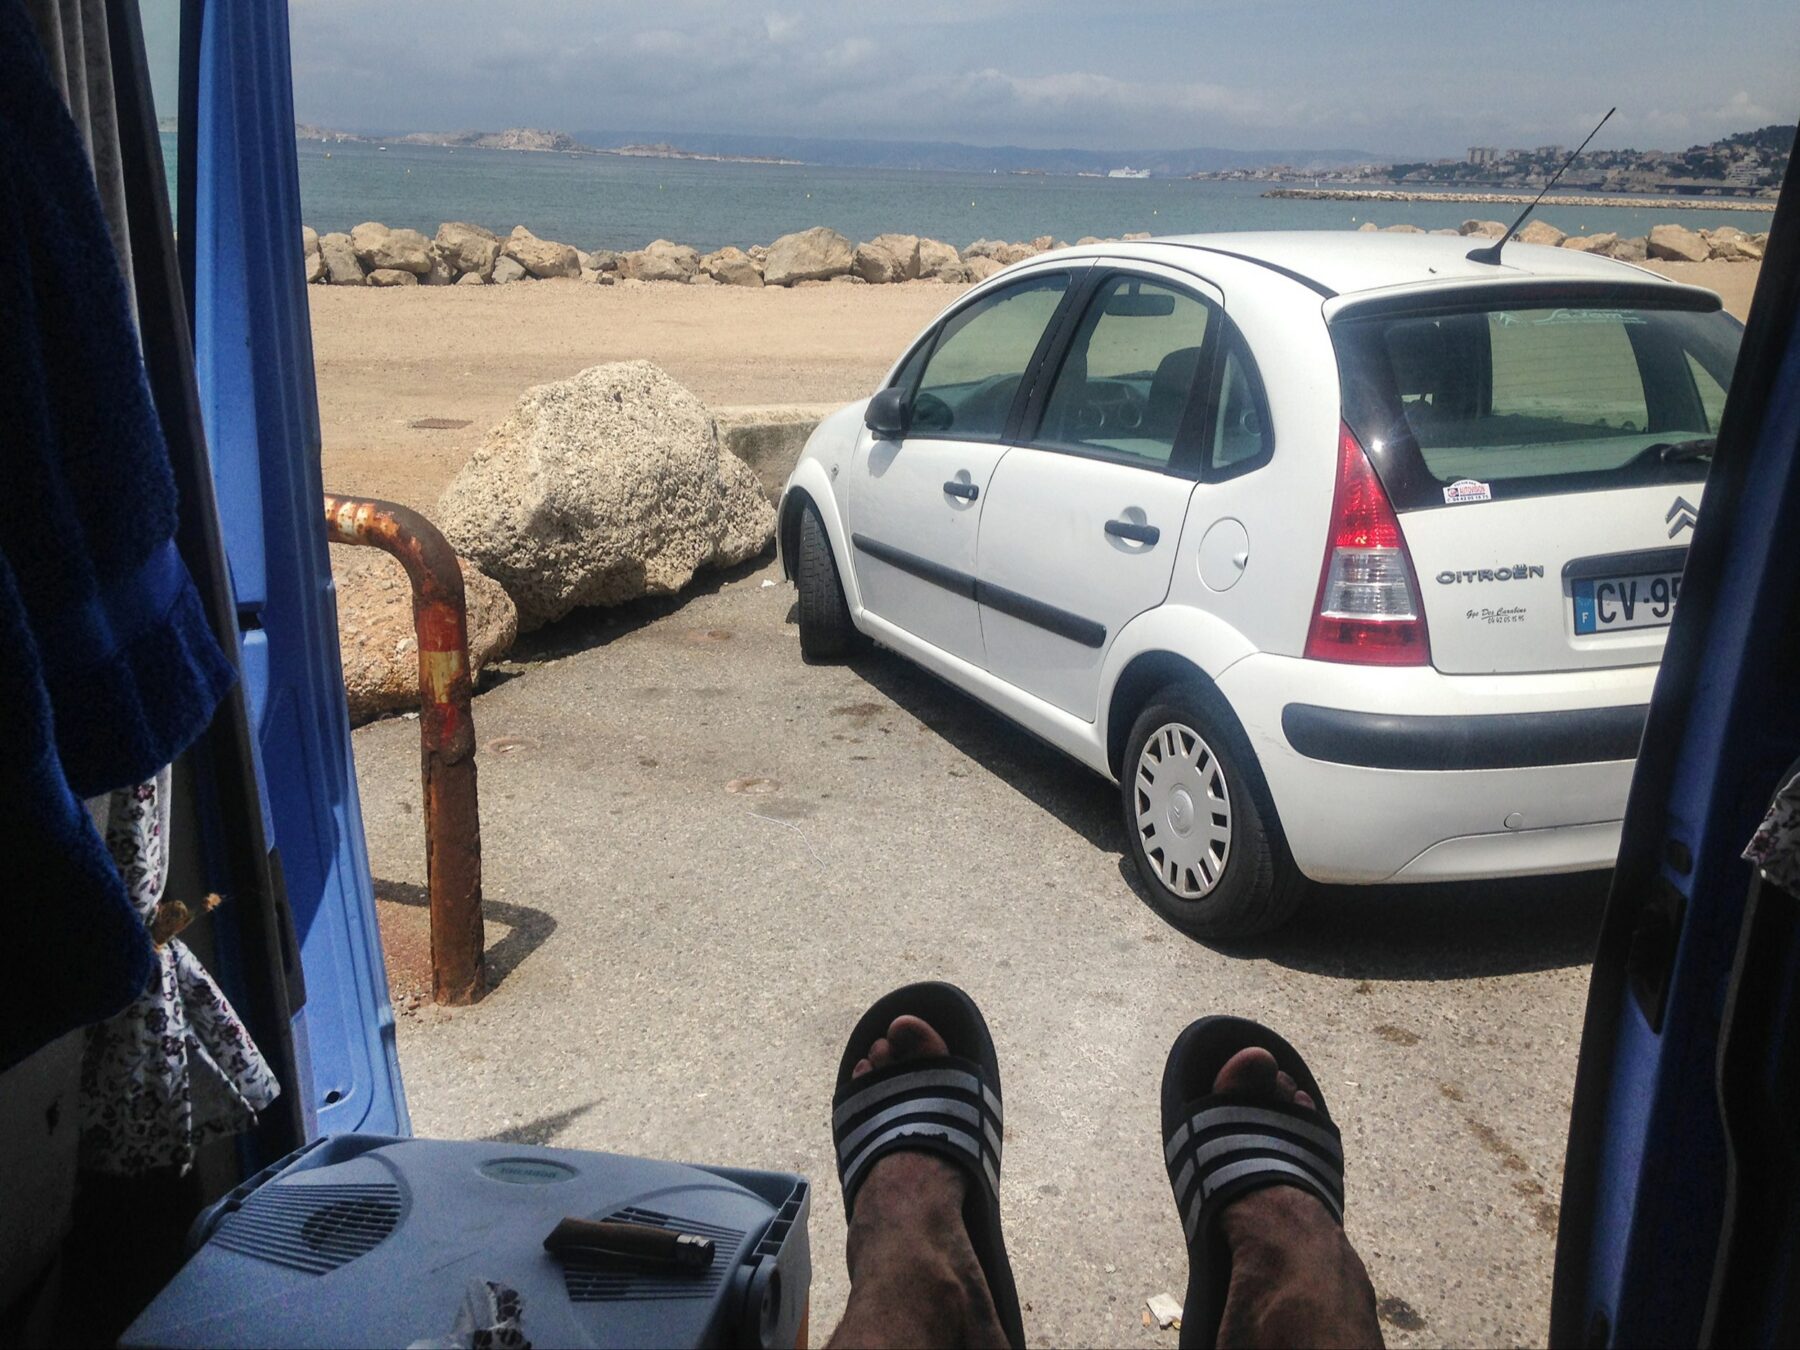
[[878, 154]]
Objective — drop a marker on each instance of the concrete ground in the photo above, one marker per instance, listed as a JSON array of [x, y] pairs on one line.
[[703, 859]]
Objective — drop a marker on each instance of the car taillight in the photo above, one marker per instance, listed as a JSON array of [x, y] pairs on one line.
[[1368, 609]]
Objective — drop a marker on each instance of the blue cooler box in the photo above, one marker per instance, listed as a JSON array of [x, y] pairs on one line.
[[369, 1240]]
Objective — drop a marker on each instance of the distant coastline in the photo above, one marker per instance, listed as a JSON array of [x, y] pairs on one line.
[[527, 139], [1683, 203]]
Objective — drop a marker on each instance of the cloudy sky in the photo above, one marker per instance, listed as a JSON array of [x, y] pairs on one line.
[[1399, 77]]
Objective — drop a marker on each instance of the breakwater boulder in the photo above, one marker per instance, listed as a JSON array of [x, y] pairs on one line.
[[818, 254], [600, 489], [464, 249], [378, 248], [732, 267], [469, 255], [660, 260], [543, 258], [339, 256]]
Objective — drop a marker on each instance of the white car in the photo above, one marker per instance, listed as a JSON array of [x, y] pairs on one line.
[[1347, 556]]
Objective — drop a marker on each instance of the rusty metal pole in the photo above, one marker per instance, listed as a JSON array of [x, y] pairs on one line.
[[446, 732]]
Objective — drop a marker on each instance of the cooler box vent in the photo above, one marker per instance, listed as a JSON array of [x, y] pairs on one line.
[[312, 1228]]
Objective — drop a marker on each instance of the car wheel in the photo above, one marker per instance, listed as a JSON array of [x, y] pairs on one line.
[[1200, 820], [826, 633]]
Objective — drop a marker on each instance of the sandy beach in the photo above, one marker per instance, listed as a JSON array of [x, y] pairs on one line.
[[388, 359]]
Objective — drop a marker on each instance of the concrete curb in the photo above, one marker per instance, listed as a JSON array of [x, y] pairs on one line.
[[770, 439]]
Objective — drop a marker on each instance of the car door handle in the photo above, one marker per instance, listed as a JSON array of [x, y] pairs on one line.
[[967, 491], [1130, 529]]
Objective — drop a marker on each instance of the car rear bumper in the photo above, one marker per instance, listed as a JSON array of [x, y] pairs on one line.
[[1409, 775], [1517, 740]]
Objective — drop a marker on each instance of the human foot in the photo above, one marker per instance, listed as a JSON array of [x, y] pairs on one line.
[[1295, 1279], [1257, 1169], [915, 1278]]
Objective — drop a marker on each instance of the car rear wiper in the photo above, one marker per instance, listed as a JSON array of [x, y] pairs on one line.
[[1676, 452]]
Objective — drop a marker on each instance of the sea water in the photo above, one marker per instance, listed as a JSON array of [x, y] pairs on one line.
[[610, 201]]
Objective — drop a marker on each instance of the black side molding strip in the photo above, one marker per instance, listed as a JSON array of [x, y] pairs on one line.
[[1490, 741], [1035, 612], [958, 583], [1040, 615]]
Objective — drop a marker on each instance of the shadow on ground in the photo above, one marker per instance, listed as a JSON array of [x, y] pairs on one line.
[[1429, 932], [586, 629], [544, 1129], [406, 936]]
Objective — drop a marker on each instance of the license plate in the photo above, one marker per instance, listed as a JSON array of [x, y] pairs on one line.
[[1640, 600]]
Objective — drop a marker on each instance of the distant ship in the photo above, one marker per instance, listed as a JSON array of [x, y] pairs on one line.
[[1129, 172]]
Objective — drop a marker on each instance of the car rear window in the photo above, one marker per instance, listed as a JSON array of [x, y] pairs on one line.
[[1479, 402]]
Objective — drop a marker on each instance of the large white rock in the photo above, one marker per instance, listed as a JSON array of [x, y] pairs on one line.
[[341, 267], [601, 488], [315, 267], [1482, 229], [1676, 243], [309, 240], [541, 257], [376, 635], [507, 270], [377, 246], [467, 248], [982, 267], [1541, 232], [393, 276], [817, 254]]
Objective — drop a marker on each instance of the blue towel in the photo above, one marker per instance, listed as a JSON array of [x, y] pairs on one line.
[[108, 667]]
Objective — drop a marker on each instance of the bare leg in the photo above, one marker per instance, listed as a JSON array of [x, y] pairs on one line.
[[914, 1277], [1295, 1279]]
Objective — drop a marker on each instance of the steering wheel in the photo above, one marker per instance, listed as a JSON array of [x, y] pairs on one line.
[[988, 402]]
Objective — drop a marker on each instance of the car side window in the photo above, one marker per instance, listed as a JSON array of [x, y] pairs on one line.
[[1135, 360], [1710, 391], [980, 357], [1241, 439], [908, 374]]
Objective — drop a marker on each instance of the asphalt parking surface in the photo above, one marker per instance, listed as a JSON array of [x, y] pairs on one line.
[[703, 859]]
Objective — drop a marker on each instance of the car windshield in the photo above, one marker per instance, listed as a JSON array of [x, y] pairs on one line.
[[1521, 400]]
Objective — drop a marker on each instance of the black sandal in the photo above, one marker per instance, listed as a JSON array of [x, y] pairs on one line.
[[948, 1105], [1221, 1146]]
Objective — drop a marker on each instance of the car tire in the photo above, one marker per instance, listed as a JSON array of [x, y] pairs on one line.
[[1186, 751], [826, 632]]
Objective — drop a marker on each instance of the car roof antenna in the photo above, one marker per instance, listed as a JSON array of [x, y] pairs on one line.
[[1491, 254]]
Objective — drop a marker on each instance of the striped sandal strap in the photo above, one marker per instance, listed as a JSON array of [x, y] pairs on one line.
[[1227, 1147], [945, 1105]]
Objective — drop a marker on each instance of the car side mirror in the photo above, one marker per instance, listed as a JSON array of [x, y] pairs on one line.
[[888, 414]]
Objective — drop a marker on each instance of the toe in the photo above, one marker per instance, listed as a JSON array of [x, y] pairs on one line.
[[1251, 1072], [880, 1053], [914, 1038], [862, 1066]]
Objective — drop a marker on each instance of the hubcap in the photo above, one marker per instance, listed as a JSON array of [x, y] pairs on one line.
[[1183, 810]]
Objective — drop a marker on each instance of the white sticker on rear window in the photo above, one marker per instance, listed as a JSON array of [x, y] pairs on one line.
[[1467, 490], [1614, 316]]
